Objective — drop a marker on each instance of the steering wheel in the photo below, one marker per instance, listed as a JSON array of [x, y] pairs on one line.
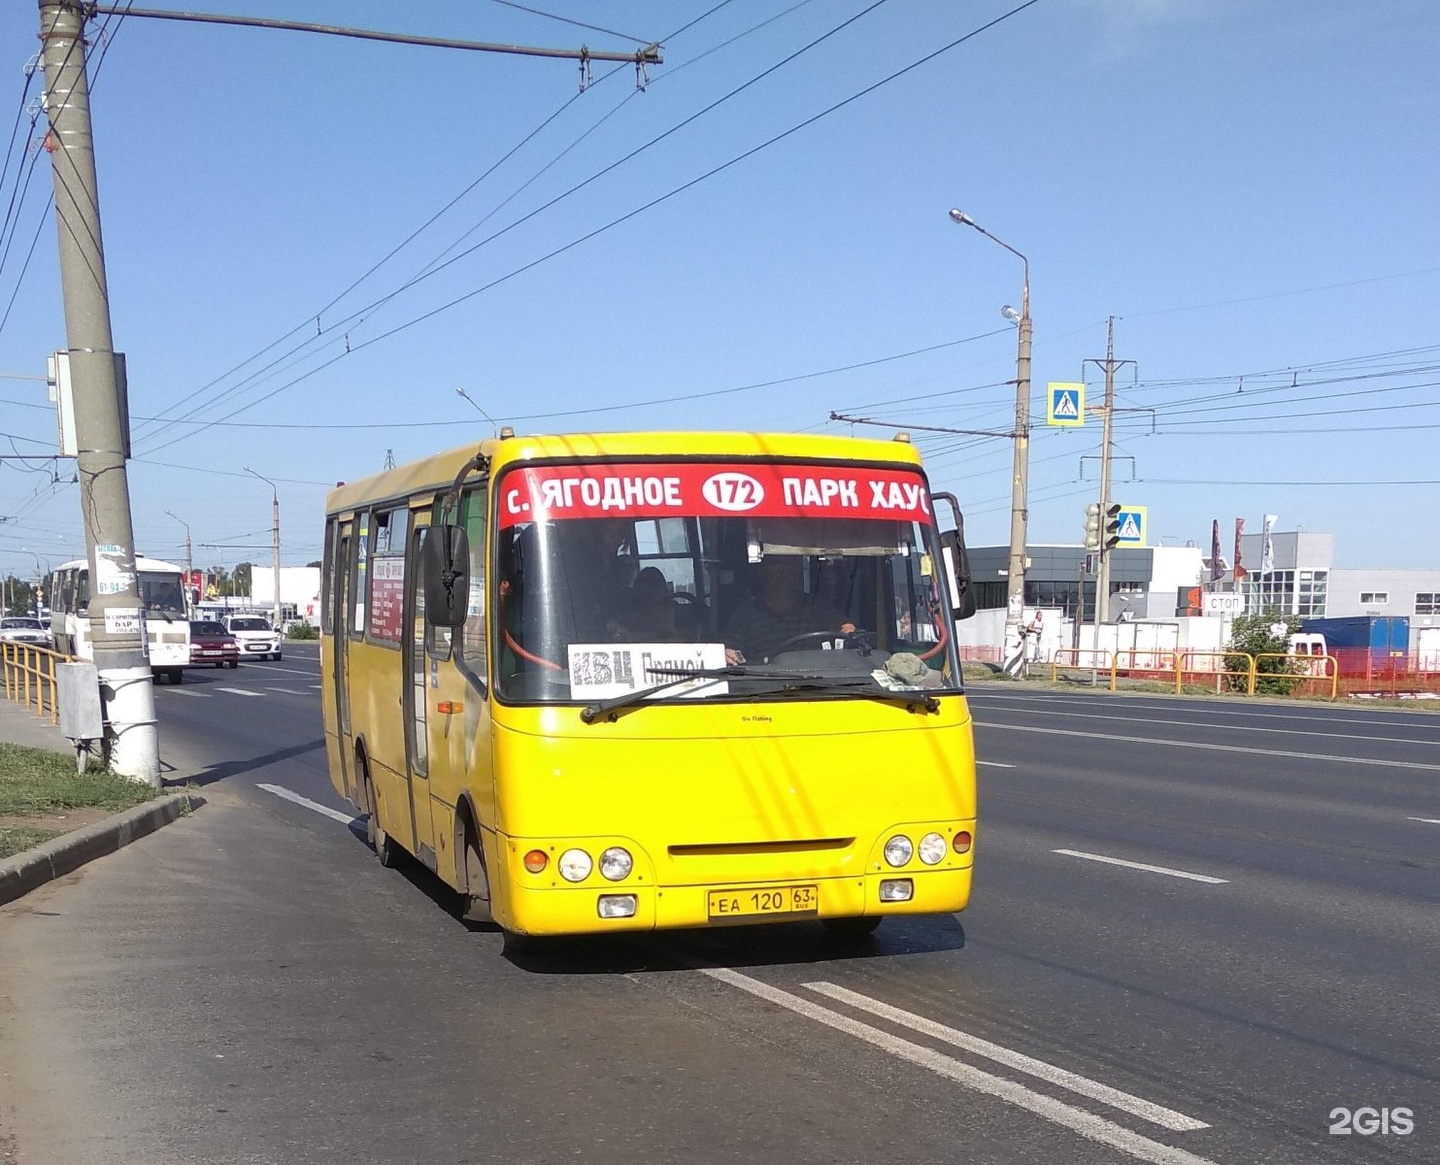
[[858, 639]]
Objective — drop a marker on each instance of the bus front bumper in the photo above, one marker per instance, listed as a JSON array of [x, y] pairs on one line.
[[559, 910]]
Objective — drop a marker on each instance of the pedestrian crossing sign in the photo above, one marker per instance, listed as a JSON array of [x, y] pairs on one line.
[[1130, 530], [1065, 404]]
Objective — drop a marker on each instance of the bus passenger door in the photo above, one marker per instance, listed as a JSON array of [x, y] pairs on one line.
[[341, 599], [417, 670]]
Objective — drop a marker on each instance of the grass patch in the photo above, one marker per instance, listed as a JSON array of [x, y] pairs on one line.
[[34, 782], [16, 839]]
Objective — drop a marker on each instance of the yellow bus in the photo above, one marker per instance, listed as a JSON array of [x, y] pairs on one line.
[[641, 681]]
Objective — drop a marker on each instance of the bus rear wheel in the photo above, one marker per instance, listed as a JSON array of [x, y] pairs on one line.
[[383, 844]]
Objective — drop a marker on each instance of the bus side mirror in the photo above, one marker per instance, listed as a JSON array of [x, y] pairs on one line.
[[446, 562], [957, 574]]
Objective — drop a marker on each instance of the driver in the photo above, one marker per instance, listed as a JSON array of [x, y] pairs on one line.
[[778, 611]]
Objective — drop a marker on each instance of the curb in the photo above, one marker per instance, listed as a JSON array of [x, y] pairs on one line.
[[65, 854]]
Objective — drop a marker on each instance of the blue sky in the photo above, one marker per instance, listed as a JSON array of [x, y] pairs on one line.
[[1249, 189]]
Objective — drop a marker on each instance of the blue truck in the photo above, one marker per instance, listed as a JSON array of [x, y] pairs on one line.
[[1386, 637]]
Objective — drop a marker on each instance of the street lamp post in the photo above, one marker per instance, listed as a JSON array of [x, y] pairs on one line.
[[189, 563], [275, 534], [1019, 489]]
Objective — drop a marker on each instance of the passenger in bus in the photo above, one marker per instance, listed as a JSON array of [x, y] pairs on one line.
[[778, 610], [649, 616]]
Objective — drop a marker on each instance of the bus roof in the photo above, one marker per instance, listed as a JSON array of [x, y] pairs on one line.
[[439, 470], [141, 563]]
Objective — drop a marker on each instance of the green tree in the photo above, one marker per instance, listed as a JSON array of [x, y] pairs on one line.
[[1266, 634]]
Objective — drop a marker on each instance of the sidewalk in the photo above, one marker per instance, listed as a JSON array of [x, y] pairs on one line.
[[20, 725]]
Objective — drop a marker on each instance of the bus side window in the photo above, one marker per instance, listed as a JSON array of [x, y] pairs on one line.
[[473, 639]]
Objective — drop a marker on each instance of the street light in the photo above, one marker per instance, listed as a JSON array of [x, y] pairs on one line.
[[275, 532], [1019, 506], [189, 564]]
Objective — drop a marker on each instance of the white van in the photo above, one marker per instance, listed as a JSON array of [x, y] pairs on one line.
[[257, 639]]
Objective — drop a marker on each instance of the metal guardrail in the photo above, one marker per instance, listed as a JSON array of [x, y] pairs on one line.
[[30, 677], [1309, 672]]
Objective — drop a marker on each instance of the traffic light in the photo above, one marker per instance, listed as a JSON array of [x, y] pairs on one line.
[[1092, 526], [1111, 527]]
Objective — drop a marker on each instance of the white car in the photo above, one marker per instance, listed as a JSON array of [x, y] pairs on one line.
[[25, 629], [257, 639]]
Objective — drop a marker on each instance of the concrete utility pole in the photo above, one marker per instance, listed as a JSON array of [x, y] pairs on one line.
[[275, 534], [189, 563], [1102, 574], [1014, 650], [127, 691]]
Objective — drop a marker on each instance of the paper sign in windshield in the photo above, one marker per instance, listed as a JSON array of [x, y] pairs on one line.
[[601, 671]]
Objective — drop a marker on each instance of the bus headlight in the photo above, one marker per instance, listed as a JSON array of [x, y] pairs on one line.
[[574, 865], [898, 850], [932, 848], [616, 864]]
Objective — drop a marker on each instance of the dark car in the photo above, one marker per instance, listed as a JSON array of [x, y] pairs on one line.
[[211, 643]]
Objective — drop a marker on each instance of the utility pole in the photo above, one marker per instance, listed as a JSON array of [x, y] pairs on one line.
[[275, 536], [1102, 572], [127, 690], [189, 563]]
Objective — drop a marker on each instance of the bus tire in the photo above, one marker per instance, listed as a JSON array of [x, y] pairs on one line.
[[383, 844], [475, 901], [851, 929], [176, 675]]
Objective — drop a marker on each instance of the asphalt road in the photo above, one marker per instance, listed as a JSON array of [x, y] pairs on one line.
[[1198, 929]]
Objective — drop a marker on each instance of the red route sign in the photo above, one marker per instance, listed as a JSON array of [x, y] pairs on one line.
[[711, 489]]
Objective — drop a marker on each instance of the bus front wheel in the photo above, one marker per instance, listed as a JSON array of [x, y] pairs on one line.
[[850, 929], [475, 902]]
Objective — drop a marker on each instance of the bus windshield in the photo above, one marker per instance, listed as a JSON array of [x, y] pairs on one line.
[[818, 581], [161, 592]]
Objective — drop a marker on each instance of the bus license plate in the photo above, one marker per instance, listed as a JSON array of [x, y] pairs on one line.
[[757, 902]]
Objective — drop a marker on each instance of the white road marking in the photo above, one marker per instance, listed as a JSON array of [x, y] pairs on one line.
[[1426, 820], [1087, 1124], [994, 764], [1121, 706], [289, 671], [1320, 756], [1156, 1114], [1231, 727], [189, 692], [281, 791], [315, 686], [240, 692], [1075, 853], [289, 692]]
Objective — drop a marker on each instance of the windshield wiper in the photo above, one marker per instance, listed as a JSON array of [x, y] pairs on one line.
[[865, 689], [593, 712], [796, 683]]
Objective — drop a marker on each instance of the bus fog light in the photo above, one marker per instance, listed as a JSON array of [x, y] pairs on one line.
[[536, 861], [897, 890], [898, 850], [616, 863], [574, 865], [932, 848], [616, 906]]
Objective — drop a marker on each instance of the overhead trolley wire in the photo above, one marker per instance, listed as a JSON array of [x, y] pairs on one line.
[[643, 208]]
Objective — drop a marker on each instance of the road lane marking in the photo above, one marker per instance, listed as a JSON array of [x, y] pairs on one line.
[[1087, 1124], [1232, 727], [1135, 1105], [190, 692], [1075, 853], [289, 692], [240, 692], [1426, 820], [1211, 710], [289, 671], [334, 814], [995, 764], [1347, 760]]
